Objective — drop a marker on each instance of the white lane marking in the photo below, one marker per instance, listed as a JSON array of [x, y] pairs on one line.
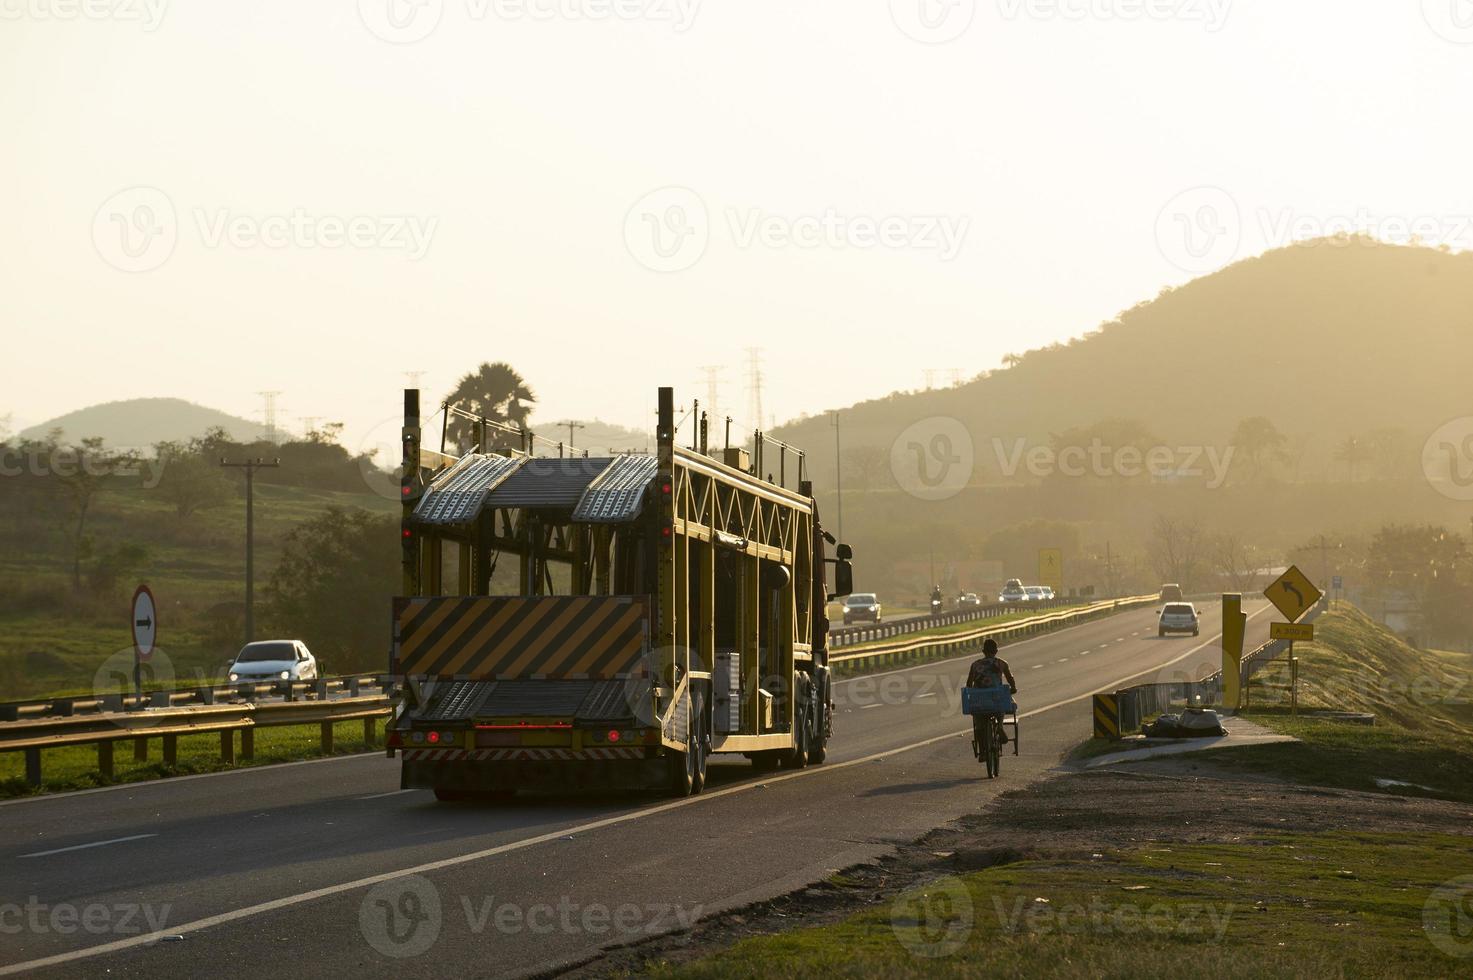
[[1038, 666], [928, 694], [1063, 660], [1104, 646], [1119, 639], [866, 707], [328, 891], [379, 796], [1084, 653], [83, 847]]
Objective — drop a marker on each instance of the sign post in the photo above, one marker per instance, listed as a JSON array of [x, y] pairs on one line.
[[144, 624]]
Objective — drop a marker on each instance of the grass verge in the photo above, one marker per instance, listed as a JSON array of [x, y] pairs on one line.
[[1288, 905]]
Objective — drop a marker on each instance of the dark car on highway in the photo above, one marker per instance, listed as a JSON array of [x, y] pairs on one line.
[[862, 607]]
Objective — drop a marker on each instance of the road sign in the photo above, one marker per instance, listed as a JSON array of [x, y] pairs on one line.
[[1291, 631], [145, 623], [1051, 569], [1293, 594]]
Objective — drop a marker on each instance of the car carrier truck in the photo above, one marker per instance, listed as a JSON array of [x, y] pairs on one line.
[[608, 621]]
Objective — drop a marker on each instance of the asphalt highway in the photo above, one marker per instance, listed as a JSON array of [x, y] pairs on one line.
[[327, 869]]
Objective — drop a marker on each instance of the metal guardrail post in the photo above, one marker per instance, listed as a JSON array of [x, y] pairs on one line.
[[248, 743]]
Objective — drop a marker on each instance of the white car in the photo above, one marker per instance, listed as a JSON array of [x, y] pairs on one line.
[[1035, 593], [1048, 591], [1013, 592], [1179, 617], [273, 660]]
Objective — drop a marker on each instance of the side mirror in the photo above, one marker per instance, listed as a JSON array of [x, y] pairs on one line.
[[843, 579], [844, 553]]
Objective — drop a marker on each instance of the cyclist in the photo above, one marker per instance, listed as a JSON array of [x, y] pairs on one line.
[[990, 671]]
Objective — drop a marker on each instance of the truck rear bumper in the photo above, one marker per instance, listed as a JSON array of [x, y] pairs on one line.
[[545, 769]]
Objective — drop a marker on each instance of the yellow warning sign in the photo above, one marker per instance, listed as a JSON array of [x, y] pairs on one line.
[[1051, 569], [1293, 594]]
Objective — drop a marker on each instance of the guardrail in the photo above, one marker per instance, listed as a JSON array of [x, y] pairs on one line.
[[848, 636], [1121, 712], [929, 648], [106, 728], [349, 685]]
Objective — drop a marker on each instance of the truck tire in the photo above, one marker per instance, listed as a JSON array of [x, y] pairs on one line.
[[797, 756]]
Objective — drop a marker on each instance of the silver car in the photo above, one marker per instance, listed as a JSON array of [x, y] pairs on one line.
[[273, 660], [1179, 617]]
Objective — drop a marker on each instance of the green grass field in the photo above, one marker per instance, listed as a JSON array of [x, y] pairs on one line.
[[53, 641]]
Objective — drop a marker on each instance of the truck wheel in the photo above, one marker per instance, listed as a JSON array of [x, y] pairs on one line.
[[797, 756]]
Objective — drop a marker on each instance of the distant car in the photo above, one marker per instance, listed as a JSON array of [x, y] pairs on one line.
[[1013, 592], [968, 600], [1048, 591], [861, 607], [1035, 593], [273, 660], [1179, 617], [1171, 592]]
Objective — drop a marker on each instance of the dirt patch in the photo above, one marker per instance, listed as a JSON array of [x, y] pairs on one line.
[[1175, 799]]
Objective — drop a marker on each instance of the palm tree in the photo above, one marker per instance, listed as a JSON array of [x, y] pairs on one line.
[[1012, 360], [494, 392]]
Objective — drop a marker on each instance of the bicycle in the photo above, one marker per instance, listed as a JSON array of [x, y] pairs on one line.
[[987, 741]]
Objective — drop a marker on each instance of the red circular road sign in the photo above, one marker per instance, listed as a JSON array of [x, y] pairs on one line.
[[145, 623]]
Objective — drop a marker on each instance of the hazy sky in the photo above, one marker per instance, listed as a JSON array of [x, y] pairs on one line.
[[208, 200]]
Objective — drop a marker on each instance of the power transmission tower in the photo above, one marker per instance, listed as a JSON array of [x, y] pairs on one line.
[[754, 386], [269, 411], [310, 423], [712, 374]]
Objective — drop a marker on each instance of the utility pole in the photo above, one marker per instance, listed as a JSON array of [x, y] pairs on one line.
[[1109, 570], [250, 466], [838, 477], [572, 427]]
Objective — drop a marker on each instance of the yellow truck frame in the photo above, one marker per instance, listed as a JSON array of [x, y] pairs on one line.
[[667, 607]]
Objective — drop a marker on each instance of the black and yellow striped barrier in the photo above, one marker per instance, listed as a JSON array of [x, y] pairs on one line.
[[1107, 716]]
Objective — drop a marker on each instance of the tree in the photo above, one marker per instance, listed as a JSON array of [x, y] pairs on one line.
[[333, 584], [190, 481], [1352, 452], [866, 466], [1012, 360], [1175, 549], [1261, 441], [1234, 560], [81, 471], [492, 391]]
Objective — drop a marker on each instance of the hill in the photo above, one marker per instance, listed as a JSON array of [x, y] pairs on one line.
[[597, 437], [1329, 340], [141, 422]]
